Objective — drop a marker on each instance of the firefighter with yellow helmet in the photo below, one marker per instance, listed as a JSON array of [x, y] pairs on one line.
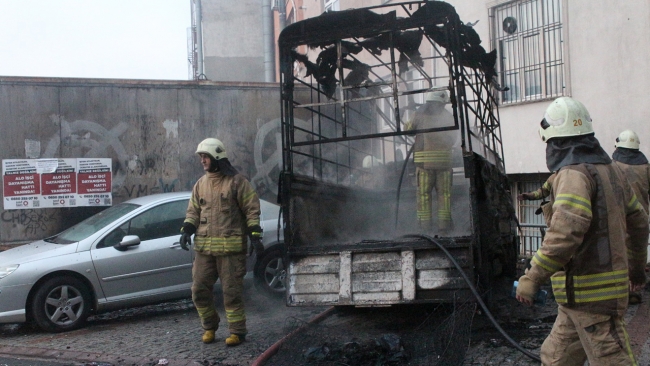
[[223, 210], [433, 160], [590, 212]]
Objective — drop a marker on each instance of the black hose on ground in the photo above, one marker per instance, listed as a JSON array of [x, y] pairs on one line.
[[477, 295], [399, 185]]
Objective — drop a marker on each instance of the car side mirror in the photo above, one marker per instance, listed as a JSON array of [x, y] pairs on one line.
[[127, 241]]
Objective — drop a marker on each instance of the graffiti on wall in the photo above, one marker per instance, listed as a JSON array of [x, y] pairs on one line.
[[33, 221], [161, 186], [267, 154], [90, 140]]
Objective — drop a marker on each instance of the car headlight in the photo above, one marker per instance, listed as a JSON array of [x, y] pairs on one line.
[[6, 270]]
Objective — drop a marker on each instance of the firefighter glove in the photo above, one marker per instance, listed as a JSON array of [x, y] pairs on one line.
[[255, 235], [188, 228], [186, 241], [186, 235], [527, 288]]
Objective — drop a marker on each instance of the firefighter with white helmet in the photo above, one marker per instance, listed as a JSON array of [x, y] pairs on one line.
[[433, 153], [591, 211], [223, 210], [634, 165]]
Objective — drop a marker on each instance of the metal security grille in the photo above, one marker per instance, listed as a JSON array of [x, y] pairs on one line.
[[529, 38], [331, 5], [531, 223], [332, 127]]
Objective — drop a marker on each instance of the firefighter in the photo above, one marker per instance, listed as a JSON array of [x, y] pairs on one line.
[[591, 210], [222, 211], [433, 160], [636, 169], [540, 193]]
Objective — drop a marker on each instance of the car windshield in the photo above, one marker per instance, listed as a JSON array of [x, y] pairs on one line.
[[92, 224]]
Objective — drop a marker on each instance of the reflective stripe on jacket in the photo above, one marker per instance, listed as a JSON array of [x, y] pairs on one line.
[[545, 189], [222, 207], [433, 150], [584, 250]]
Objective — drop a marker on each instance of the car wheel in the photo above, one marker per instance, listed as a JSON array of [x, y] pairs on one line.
[[270, 274], [61, 304]]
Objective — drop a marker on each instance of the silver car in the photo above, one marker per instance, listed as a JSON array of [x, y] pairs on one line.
[[127, 255]]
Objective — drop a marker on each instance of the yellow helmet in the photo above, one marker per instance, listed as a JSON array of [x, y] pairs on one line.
[[628, 139], [212, 147], [565, 117]]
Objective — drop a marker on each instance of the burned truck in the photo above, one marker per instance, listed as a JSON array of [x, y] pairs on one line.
[[368, 220]]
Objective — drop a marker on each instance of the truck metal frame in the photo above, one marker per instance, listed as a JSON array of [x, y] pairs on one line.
[[351, 81]]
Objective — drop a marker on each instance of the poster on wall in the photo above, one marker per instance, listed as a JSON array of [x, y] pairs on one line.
[[58, 182], [22, 184], [94, 182], [54, 183]]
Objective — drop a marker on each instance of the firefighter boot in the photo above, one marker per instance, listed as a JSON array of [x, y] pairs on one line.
[[235, 339], [635, 298], [208, 336]]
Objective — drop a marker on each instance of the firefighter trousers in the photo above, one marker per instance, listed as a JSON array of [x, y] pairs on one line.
[[231, 269], [428, 179], [578, 336]]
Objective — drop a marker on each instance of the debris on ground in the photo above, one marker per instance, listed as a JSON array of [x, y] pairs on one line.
[[385, 351]]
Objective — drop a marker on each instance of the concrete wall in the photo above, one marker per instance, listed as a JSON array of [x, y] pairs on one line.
[[233, 48], [149, 129]]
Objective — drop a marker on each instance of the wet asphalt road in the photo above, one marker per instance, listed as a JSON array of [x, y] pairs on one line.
[[27, 362], [170, 334], [156, 334]]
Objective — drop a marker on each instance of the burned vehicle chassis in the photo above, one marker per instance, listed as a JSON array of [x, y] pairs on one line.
[[351, 81]]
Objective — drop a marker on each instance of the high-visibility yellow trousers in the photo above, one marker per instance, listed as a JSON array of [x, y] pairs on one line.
[[441, 180], [231, 269]]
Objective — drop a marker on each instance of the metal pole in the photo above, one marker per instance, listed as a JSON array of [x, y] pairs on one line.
[[199, 40], [269, 41], [282, 14]]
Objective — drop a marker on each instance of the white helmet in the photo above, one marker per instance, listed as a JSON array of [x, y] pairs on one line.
[[370, 161], [628, 139], [565, 117], [437, 96], [212, 147]]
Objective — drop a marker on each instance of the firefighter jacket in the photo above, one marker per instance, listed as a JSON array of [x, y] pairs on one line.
[[433, 150], [584, 251], [221, 208], [639, 178], [544, 190]]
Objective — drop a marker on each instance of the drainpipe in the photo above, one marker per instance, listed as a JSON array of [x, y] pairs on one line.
[[269, 41], [199, 40], [282, 13]]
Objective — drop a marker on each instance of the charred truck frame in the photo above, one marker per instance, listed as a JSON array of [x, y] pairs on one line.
[[352, 81]]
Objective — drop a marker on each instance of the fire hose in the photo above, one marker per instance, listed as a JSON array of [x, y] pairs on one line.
[[477, 295]]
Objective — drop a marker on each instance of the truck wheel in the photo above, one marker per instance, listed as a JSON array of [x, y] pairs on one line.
[[270, 274], [61, 304]]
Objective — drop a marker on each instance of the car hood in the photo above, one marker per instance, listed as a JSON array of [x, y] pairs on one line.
[[35, 251]]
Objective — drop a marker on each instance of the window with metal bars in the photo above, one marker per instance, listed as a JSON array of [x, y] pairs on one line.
[[530, 236], [331, 5], [529, 38]]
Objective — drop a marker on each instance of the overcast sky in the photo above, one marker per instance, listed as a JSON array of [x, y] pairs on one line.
[[125, 39]]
